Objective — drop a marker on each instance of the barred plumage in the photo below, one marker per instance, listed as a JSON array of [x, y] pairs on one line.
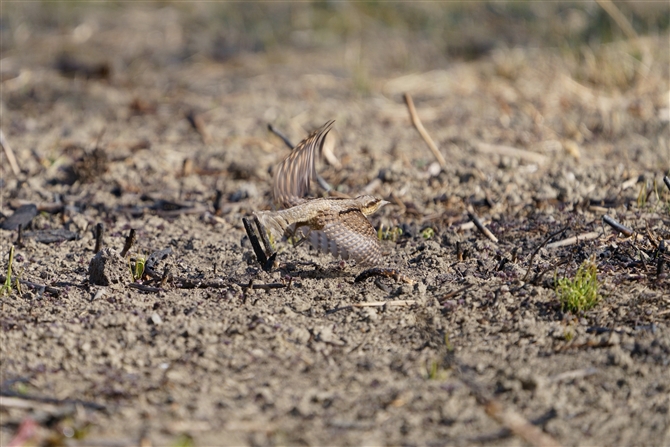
[[331, 225], [292, 177]]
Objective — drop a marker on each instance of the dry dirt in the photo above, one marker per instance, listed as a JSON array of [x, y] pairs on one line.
[[97, 112]]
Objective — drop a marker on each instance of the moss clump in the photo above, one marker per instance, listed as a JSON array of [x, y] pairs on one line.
[[580, 293]]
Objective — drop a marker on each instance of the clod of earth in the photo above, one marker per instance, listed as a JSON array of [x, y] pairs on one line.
[[108, 267]]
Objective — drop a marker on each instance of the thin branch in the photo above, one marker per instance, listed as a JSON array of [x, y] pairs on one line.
[[424, 134], [509, 151], [10, 154], [574, 239], [617, 226], [548, 238], [99, 231], [130, 240], [389, 273], [480, 226], [618, 17]]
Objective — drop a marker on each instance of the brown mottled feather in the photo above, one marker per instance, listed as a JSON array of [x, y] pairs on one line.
[[349, 235], [292, 176]]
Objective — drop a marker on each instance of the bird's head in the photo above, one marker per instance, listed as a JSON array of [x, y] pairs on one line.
[[370, 204]]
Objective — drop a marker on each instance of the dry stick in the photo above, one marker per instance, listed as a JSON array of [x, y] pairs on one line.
[[32, 285], [574, 374], [424, 134], [130, 240], [373, 304], [51, 400], [666, 180], [385, 303], [283, 137], [507, 417], [455, 292], [19, 238], [480, 226], [574, 239], [10, 155], [508, 151], [389, 273], [99, 230], [198, 124], [617, 226], [548, 238], [144, 288], [619, 18]]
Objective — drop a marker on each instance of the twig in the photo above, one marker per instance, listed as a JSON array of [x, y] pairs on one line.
[[99, 231], [10, 155], [480, 226], [617, 226], [575, 374], [389, 273], [198, 124], [283, 137], [666, 180], [19, 237], [373, 304], [50, 400], [548, 238], [424, 134], [574, 239], [130, 240], [271, 286], [32, 285], [455, 293], [509, 151], [385, 303], [144, 288], [507, 417], [619, 18]]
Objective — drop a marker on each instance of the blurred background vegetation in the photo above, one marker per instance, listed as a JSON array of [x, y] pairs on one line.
[[599, 42], [431, 33]]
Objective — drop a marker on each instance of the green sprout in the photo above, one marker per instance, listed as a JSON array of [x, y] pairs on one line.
[[642, 196], [138, 271], [581, 293], [427, 233], [7, 286], [392, 234]]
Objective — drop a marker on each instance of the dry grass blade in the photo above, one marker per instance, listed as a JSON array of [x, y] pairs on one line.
[[424, 134], [618, 17], [509, 151], [10, 154]]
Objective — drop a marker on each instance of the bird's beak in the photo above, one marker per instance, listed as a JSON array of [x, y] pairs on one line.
[[383, 202]]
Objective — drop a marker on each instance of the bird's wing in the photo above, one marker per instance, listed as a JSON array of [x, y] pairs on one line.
[[349, 236], [291, 179]]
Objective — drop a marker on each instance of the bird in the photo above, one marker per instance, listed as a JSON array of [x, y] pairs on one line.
[[334, 225]]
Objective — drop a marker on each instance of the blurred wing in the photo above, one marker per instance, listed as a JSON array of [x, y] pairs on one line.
[[350, 236], [291, 179]]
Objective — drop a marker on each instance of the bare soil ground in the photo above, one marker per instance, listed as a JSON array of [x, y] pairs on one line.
[[133, 118]]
